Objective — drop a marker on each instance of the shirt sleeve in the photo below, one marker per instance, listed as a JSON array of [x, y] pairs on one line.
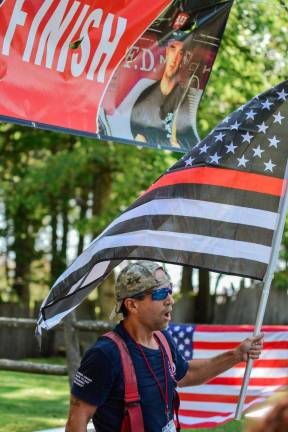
[[94, 378], [181, 365]]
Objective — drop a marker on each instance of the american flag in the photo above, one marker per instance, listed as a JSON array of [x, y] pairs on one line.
[[216, 208], [214, 403]]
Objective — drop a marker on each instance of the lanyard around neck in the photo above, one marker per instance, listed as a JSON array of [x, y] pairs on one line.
[[164, 394]]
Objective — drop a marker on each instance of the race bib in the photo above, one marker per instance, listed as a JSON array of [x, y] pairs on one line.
[[170, 427]]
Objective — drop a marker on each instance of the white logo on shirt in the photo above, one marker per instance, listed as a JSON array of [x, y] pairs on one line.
[[81, 380]]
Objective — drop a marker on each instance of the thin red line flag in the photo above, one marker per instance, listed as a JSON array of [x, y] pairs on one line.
[[217, 208]]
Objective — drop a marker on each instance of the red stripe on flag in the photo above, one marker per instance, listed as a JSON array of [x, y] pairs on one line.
[[220, 398], [202, 414], [238, 329], [253, 381], [231, 345], [265, 363], [222, 177]]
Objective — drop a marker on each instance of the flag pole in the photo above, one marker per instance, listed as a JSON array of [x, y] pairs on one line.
[[265, 292]]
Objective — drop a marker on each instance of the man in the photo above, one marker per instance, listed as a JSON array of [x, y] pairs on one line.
[[144, 296], [164, 113]]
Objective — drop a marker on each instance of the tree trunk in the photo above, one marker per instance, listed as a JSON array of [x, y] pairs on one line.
[[186, 281], [54, 239], [65, 230], [102, 184], [202, 301], [72, 346], [58, 245], [83, 211], [106, 297], [23, 248]]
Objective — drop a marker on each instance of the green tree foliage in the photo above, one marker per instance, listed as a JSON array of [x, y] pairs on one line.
[[54, 185], [252, 57]]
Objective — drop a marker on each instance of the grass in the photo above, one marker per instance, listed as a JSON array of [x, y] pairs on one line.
[[30, 402], [233, 426]]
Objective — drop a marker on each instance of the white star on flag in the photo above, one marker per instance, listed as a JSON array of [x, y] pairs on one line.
[[266, 104], [273, 142], [215, 158], [235, 126], [247, 137], [189, 161], [250, 115], [278, 118], [262, 127], [204, 149], [230, 147], [269, 166], [219, 137], [242, 161], [282, 95], [257, 151]]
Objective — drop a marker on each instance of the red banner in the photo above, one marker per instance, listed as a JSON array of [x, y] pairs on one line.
[[82, 66]]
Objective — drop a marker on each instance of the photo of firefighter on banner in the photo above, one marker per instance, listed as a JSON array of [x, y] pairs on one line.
[[154, 94]]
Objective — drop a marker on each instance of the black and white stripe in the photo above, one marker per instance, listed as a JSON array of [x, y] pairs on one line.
[[227, 238]]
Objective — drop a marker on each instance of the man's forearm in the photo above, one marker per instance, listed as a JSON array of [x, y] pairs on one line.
[[216, 365], [75, 426], [80, 414], [201, 371]]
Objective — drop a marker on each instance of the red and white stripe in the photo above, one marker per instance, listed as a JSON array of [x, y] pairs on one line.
[[214, 403]]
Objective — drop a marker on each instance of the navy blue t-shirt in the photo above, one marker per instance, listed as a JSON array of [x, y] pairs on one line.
[[99, 381]]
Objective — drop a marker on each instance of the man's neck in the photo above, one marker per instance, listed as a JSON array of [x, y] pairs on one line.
[[140, 333], [167, 85]]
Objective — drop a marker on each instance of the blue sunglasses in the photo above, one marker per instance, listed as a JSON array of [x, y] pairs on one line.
[[156, 294], [161, 293]]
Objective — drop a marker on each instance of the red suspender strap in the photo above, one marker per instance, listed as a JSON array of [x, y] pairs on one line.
[[132, 398], [166, 346]]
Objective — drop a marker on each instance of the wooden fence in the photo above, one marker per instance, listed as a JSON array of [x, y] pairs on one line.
[[71, 329]]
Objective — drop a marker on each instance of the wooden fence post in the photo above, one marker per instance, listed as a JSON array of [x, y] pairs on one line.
[[72, 346]]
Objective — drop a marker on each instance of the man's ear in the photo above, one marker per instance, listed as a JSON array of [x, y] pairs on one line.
[[131, 305]]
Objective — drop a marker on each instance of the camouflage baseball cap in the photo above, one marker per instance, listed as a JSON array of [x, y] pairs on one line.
[[136, 278]]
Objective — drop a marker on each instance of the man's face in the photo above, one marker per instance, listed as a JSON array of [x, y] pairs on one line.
[[155, 314], [174, 56]]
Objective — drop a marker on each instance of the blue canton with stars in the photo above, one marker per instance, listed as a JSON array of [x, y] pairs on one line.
[[183, 337], [251, 139]]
